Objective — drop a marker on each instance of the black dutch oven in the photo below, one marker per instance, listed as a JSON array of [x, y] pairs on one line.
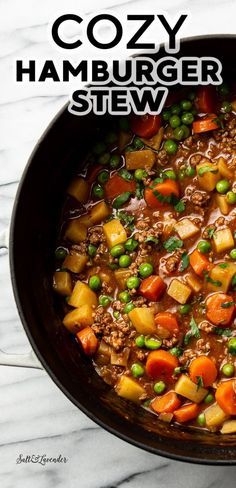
[[34, 227]]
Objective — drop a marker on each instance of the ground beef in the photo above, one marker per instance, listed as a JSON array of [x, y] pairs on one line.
[[171, 263], [200, 198], [95, 235]]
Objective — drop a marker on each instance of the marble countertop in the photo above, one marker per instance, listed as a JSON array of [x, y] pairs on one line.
[[35, 417]]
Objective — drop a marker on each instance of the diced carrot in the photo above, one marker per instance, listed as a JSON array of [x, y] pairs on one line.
[[167, 325], [166, 403], [199, 262], [205, 124], [91, 177], [187, 412], [166, 189], [161, 364], [215, 310], [206, 99], [226, 396], [88, 340], [204, 368], [152, 288], [117, 185], [145, 125]]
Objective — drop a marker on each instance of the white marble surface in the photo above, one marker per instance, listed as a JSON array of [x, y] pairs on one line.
[[35, 417]]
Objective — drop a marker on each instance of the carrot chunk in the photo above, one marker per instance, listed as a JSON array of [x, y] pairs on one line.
[[161, 364], [187, 412], [145, 125], [205, 124], [226, 396], [204, 368], [199, 262], [152, 288], [117, 185], [167, 324], [167, 403], [87, 340], [216, 312], [155, 196]]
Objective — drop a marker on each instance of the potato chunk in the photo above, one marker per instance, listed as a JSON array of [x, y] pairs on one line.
[[222, 203], [78, 318], [224, 170], [222, 277], [62, 283], [208, 179], [79, 189], [128, 388], [223, 240], [188, 389], [85, 219], [75, 262], [114, 232], [186, 228], [140, 159], [99, 212], [215, 416], [121, 277], [143, 320], [179, 291], [229, 427], [194, 282], [75, 231], [82, 295]]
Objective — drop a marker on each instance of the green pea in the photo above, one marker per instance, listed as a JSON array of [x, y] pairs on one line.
[[222, 186], [166, 114], [61, 253], [128, 307], [204, 247], [209, 398], [139, 174], [232, 346], [231, 197], [228, 370], [226, 107], [111, 137], [175, 121], [114, 161], [152, 343], [178, 133], [117, 250], [104, 300], [124, 261], [98, 191], [175, 109], [124, 124], [176, 351], [103, 177], [186, 130], [178, 370], [113, 266], [190, 171], [133, 282], [95, 282], [139, 341], [137, 370], [131, 244], [116, 314], [126, 175], [233, 254], [194, 111], [201, 419], [121, 199], [185, 105], [159, 387], [146, 404], [145, 270], [138, 143], [185, 309], [129, 149], [170, 173], [187, 118], [92, 250], [104, 159], [170, 146], [99, 148], [124, 296]]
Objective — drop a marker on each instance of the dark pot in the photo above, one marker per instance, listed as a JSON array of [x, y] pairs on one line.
[[34, 227]]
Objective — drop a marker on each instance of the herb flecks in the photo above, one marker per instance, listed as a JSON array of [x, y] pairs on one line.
[[193, 332], [184, 262], [172, 244], [210, 280]]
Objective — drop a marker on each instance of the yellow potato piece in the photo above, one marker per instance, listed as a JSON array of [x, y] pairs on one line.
[[78, 318], [228, 427], [85, 220], [62, 283], [193, 282], [221, 275], [79, 189], [121, 276], [222, 203], [75, 262], [140, 159], [214, 416], [82, 295], [209, 179], [114, 232], [188, 389], [186, 228], [223, 240], [143, 320], [129, 389], [75, 231], [223, 169], [179, 291], [99, 212]]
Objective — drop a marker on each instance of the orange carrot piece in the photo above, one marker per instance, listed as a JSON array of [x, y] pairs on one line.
[[226, 396], [145, 125], [161, 364], [205, 368], [152, 288], [167, 403], [166, 189], [218, 314], [117, 185], [199, 262], [88, 340], [203, 125], [187, 412], [167, 324]]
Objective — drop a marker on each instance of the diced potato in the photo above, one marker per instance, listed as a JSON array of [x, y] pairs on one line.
[[223, 240], [166, 417], [82, 295], [188, 389], [155, 141], [223, 169], [121, 277], [179, 291], [140, 159], [99, 212], [79, 189], [215, 416], [105, 276], [123, 140], [62, 283], [120, 359], [229, 427], [114, 232], [143, 320], [78, 318], [85, 220], [104, 349], [186, 228], [169, 225], [209, 179], [222, 203], [75, 231], [129, 389], [75, 262], [194, 282], [222, 275]]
